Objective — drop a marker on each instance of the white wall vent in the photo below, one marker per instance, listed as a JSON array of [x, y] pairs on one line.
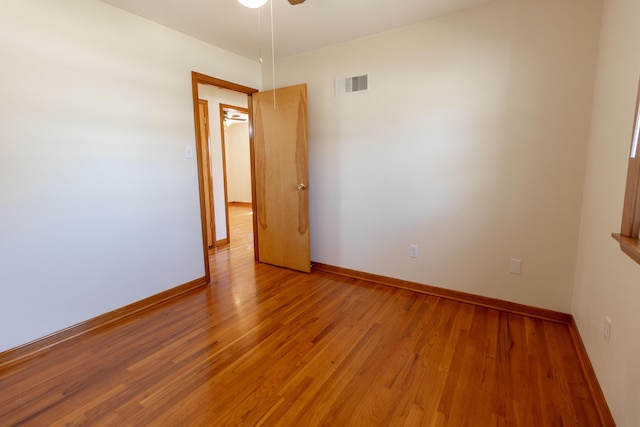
[[353, 84]]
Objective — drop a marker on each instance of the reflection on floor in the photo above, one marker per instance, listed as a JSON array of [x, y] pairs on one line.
[[239, 252]]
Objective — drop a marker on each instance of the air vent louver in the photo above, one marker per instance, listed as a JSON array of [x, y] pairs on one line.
[[352, 84]]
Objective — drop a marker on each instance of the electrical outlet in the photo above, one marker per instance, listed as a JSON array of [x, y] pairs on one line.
[[606, 329], [413, 251]]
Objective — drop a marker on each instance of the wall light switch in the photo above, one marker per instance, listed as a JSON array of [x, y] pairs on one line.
[[606, 330], [515, 267], [413, 251], [188, 152]]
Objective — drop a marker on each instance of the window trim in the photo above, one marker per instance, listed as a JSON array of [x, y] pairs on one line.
[[630, 228]]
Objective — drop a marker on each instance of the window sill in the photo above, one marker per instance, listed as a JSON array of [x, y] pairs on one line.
[[629, 246]]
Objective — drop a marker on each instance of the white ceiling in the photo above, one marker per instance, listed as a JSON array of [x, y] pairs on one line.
[[308, 26]]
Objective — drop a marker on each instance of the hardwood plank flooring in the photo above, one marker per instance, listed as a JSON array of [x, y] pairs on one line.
[[272, 347]]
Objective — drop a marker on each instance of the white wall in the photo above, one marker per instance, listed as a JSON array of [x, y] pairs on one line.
[[238, 162], [607, 281], [216, 96], [98, 205], [470, 143]]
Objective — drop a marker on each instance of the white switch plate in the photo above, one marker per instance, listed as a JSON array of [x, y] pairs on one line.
[[606, 330], [413, 251], [188, 152], [515, 267]]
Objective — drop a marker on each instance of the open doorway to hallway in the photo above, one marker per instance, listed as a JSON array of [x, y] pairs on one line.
[[229, 158], [234, 129], [212, 164]]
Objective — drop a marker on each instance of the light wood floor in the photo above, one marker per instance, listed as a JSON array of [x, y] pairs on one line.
[[268, 346]]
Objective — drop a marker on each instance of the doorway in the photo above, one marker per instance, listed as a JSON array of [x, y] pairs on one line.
[[224, 187], [215, 92], [236, 151]]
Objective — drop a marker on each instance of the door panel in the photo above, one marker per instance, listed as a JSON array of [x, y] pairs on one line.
[[281, 167]]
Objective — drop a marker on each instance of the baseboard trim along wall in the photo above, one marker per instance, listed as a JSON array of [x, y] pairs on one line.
[[34, 348], [510, 307], [604, 413]]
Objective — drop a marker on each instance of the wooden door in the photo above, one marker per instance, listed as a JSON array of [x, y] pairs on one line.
[[203, 116], [281, 168]]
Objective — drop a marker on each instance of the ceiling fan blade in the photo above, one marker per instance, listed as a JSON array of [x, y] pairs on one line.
[[294, 2]]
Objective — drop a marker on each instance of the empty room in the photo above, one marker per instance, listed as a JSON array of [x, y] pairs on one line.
[[319, 213]]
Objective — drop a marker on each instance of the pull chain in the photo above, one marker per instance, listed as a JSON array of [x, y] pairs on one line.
[[260, 35], [273, 60]]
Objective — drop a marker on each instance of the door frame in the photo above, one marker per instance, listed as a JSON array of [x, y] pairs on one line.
[[198, 78], [207, 177]]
